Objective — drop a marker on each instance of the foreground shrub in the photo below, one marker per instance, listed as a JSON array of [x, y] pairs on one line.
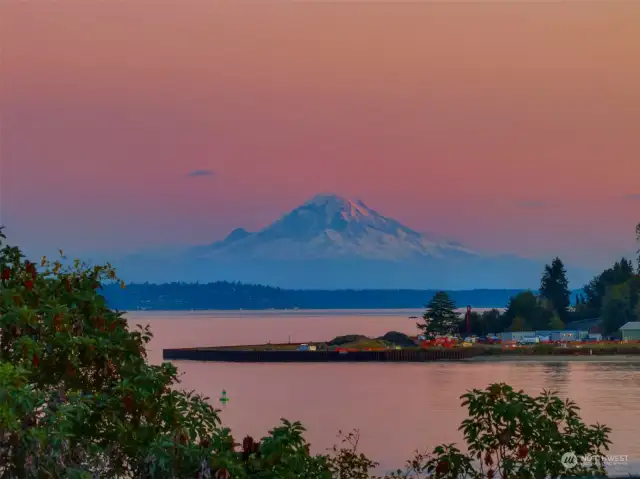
[[347, 462], [511, 434], [79, 396]]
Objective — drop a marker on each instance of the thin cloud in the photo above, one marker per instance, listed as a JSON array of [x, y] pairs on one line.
[[199, 173], [533, 204], [635, 196]]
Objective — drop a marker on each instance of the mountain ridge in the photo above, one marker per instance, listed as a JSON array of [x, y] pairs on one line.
[[332, 226], [330, 242]]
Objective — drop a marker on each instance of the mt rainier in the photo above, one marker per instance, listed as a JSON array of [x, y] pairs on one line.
[[331, 226], [331, 242]]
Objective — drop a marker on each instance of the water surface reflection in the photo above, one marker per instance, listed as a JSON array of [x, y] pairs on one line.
[[397, 407]]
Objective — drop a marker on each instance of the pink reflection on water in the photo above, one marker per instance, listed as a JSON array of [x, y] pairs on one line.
[[397, 407]]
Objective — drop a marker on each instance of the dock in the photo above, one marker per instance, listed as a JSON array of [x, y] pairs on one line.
[[276, 356]]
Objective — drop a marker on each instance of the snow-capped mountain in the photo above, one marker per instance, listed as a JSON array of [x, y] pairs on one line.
[[331, 226], [331, 242]]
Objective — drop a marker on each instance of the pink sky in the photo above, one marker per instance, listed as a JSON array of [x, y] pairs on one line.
[[509, 126]]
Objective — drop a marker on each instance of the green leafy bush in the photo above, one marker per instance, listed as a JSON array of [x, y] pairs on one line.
[[79, 396], [511, 434], [347, 462]]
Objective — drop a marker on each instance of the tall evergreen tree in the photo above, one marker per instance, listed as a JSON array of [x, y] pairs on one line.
[[440, 318], [617, 308], [621, 272], [554, 287], [638, 241]]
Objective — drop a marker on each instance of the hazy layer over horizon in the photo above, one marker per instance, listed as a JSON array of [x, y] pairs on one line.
[[508, 126]]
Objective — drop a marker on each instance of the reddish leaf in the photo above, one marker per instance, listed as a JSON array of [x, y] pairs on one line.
[[6, 274], [523, 451]]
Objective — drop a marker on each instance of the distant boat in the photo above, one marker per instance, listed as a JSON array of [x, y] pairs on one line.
[[413, 317]]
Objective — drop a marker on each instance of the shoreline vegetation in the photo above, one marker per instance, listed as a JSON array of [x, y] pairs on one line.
[[233, 296], [78, 399], [606, 358]]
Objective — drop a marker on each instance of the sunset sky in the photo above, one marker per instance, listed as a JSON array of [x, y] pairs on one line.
[[508, 126]]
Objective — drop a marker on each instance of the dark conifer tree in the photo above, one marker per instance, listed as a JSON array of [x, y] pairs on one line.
[[554, 287], [440, 318], [638, 241]]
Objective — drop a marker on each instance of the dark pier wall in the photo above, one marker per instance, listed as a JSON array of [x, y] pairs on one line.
[[248, 356]]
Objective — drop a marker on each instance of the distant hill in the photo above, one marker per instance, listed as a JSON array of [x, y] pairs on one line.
[[331, 242], [227, 295]]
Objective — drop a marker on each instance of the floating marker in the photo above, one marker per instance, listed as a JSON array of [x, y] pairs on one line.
[[224, 397]]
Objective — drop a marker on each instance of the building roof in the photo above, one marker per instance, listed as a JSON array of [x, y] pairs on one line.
[[548, 332], [632, 325], [583, 324]]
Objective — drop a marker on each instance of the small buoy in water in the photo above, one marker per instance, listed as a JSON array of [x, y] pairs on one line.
[[224, 397]]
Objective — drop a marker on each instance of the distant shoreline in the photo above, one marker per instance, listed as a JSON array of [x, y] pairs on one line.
[[534, 358], [236, 296], [331, 311]]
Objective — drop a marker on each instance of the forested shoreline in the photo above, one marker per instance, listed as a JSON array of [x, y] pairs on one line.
[[235, 296]]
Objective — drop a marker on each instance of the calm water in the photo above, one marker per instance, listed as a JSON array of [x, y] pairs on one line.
[[397, 407]]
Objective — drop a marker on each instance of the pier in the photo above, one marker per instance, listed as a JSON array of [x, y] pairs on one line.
[[279, 356]]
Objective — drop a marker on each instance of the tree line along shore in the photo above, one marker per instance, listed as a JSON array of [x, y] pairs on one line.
[[225, 295], [608, 302]]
